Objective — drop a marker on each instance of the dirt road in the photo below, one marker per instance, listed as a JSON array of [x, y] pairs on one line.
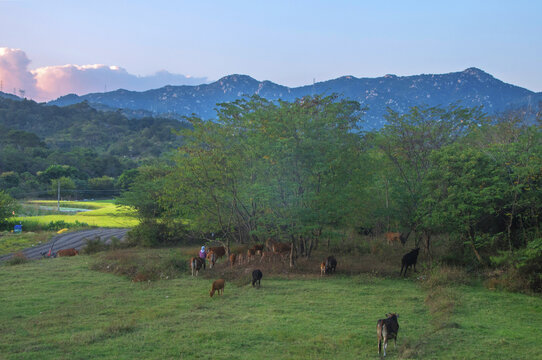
[[68, 240]]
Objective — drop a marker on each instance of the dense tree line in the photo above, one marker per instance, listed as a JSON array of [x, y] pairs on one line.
[[303, 171], [93, 147]]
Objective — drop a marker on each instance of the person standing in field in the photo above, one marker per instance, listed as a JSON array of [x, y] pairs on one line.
[[203, 255]]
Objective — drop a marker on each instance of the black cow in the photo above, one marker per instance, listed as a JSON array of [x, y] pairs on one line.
[[331, 264], [387, 329], [256, 277], [409, 260]]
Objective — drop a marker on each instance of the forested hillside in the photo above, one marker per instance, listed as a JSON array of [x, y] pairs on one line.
[[93, 148]]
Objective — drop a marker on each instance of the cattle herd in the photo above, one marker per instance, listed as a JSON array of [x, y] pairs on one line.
[[387, 328]]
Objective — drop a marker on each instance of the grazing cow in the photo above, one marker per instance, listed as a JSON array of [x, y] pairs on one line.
[[322, 268], [211, 256], [409, 260], [256, 277], [218, 285], [232, 259], [240, 258], [218, 250], [387, 329], [196, 264], [281, 248], [331, 265], [392, 237], [67, 252]]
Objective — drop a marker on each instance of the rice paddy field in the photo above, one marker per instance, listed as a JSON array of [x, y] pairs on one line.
[[87, 307], [101, 213]]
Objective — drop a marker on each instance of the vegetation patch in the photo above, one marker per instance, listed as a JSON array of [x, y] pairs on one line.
[[104, 214], [142, 266], [10, 242]]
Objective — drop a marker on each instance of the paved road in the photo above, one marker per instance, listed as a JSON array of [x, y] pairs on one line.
[[68, 240]]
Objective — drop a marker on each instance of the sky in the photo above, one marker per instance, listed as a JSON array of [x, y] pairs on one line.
[[52, 48]]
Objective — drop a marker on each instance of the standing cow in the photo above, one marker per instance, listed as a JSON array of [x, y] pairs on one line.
[[387, 329]]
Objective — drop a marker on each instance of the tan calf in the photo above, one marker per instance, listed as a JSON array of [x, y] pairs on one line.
[[218, 285]]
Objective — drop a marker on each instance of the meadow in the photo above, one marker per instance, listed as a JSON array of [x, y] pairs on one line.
[[65, 309]]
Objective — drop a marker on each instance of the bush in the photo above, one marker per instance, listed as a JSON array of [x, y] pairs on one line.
[[97, 245], [150, 233], [445, 275], [145, 266], [520, 270], [18, 258], [35, 225]]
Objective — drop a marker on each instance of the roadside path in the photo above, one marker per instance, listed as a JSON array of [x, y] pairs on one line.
[[68, 240]]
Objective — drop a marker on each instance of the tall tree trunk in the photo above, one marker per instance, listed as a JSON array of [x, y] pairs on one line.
[[428, 245], [309, 248], [292, 257], [476, 253]]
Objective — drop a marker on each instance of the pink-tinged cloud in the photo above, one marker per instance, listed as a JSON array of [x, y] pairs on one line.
[[14, 75], [50, 82]]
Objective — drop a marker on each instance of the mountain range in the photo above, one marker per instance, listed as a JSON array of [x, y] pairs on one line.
[[471, 87]]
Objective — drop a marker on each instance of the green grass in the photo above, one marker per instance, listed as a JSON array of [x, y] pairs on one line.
[[10, 242], [60, 309], [104, 214]]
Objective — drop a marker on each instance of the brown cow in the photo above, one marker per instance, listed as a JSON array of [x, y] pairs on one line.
[[217, 286], [250, 254], [392, 237], [196, 264], [232, 259], [67, 252], [211, 256], [281, 248], [257, 247], [240, 258], [322, 268], [269, 244], [218, 250]]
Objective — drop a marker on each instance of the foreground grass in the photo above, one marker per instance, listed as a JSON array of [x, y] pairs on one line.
[[59, 309], [103, 214]]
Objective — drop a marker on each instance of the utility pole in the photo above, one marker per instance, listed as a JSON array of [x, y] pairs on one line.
[[58, 199]]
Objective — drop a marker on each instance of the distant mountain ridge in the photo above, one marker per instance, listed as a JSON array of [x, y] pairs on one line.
[[471, 87]]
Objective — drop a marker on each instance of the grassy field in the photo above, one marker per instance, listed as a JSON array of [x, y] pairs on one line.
[[103, 214], [10, 242], [61, 309]]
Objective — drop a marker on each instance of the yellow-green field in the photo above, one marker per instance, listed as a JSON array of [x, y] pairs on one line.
[[103, 214]]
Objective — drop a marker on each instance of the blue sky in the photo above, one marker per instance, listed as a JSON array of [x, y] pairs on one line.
[[288, 42]]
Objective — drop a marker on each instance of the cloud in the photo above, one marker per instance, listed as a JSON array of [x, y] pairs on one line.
[[50, 82], [14, 75]]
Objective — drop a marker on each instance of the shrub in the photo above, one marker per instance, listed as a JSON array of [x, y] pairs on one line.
[[445, 275], [94, 245], [151, 233], [522, 269], [18, 258], [142, 266]]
